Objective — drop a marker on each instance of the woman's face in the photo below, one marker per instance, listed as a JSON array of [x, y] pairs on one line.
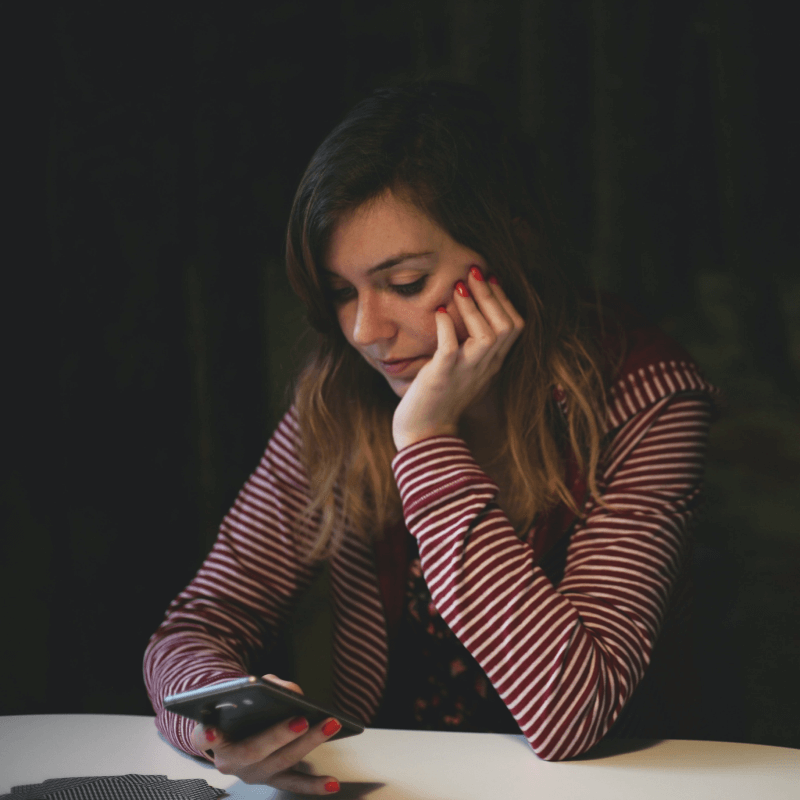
[[389, 268]]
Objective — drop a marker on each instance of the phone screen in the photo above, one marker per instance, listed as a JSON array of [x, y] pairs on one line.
[[245, 706]]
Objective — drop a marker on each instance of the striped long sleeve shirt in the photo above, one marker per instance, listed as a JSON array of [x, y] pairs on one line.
[[565, 658]]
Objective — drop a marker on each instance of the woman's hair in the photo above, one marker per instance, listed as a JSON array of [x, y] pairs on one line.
[[446, 150]]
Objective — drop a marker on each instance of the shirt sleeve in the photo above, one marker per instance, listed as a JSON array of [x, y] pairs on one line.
[[242, 592], [564, 659]]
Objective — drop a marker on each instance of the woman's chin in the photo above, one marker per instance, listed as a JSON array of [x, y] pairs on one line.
[[399, 385]]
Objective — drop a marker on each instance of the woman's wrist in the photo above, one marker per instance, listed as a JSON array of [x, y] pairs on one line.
[[402, 440]]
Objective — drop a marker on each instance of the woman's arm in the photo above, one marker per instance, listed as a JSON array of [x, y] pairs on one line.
[[244, 589], [564, 660]]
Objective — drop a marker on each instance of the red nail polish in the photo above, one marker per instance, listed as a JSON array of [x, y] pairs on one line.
[[442, 310], [332, 786], [331, 727], [210, 735], [462, 289], [493, 280], [476, 273], [298, 724]]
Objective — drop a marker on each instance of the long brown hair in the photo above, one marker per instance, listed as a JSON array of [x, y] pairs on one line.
[[444, 148]]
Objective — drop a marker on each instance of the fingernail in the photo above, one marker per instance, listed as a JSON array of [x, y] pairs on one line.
[[494, 280], [332, 786], [442, 310], [331, 727], [462, 289], [298, 724], [476, 273], [210, 735]]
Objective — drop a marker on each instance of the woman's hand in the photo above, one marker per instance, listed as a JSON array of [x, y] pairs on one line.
[[269, 757], [458, 375]]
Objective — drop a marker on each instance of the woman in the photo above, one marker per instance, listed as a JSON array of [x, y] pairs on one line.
[[501, 473]]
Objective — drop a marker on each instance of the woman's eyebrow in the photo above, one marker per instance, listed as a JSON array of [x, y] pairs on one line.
[[391, 262]]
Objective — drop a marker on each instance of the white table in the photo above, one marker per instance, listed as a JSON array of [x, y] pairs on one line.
[[412, 765]]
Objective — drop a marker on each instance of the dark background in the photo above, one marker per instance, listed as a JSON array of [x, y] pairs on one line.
[[151, 333]]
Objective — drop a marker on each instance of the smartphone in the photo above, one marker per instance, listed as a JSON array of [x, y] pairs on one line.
[[245, 706]]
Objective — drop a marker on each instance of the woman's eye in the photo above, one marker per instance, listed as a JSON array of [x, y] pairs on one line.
[[408, 289], [341, 295]]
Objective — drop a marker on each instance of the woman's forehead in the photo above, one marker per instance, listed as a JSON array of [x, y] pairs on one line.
[[383, 230]]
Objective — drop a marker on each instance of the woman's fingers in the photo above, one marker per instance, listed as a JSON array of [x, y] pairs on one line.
[[227, 759], [206, 739], [513, 322], [275, 750], [290, 685], [446, 337], [272, 755], [514, 315], [490, 319], [287, 757], [460, 371], [293, 780], [260, 749]]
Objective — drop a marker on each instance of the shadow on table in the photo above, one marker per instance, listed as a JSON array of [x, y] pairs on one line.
[[695, 756], [616, 747]]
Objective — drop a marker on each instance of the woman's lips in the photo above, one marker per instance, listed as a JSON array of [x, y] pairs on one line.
[[396, 367]]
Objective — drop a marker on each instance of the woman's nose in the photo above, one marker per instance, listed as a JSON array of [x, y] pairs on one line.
[[372, 322]]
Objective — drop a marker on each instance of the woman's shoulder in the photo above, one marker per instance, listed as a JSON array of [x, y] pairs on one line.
[[642, 363], [287, 432], [283, 449]]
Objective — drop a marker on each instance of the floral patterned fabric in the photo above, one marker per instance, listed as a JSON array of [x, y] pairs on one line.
[[434, 683]]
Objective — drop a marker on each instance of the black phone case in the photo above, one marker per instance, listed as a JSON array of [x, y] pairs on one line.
[[245, 706]]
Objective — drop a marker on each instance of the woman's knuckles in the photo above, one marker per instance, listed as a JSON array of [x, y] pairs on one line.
[[444, 353], [280, 762], [251, 751], [505, 328], [257, 749]]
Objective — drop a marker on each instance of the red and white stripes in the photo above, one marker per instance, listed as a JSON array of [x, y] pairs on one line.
[[360, 648], [242, 593], [564, 659]]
